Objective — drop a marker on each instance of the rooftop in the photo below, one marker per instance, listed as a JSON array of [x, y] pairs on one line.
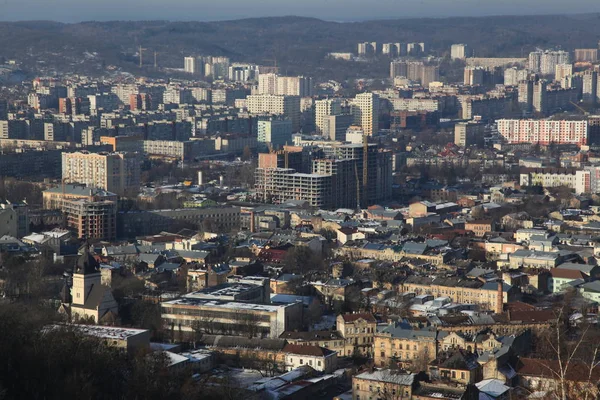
[[229, 305], [106, 332], [388, 376]]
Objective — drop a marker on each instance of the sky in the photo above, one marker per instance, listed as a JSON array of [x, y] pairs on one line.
[[334, 10]]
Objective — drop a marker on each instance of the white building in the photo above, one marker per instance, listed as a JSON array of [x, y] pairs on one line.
[[324, 108], [459, 51], [365, 108], [189, 65], [318, 358], [287, 106], [285, 85], [561, 71], [115, 172]]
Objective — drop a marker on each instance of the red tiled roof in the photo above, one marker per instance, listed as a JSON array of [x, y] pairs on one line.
[[353, 317], [315, 351]]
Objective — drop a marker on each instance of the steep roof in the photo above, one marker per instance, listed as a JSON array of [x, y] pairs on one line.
[[86, 263], [95, 297], [314, 351]]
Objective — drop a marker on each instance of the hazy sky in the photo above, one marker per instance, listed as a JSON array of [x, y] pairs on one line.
[[337, 10]]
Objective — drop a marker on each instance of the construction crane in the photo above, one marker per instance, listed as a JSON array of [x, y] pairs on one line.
[[583, 110], [357, 187], [365, 168], [141, 52]]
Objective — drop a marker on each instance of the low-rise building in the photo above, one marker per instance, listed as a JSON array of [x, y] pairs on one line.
[[358, 330], [383, 383], [318, 358], [396, 345]]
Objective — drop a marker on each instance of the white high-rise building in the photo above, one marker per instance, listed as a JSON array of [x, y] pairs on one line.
[[514, 75], [562, 70], [459, 51], [115, 172], [324, 108], [545, 62], [285, 85], [590, 86], [535, 57], [189, 65], [288, 106], [365, 108]]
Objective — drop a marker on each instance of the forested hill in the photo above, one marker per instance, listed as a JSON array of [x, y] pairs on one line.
[[294, 42]]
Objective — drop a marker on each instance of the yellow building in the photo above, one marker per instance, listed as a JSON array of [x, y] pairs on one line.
[[358, 331], [405, 347]]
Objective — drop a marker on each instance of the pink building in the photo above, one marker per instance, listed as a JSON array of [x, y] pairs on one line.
[[543, 131]]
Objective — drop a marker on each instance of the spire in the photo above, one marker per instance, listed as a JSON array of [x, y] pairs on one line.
[[86, 263]]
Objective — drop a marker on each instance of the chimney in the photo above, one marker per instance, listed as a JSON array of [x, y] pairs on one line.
[[500, 297]]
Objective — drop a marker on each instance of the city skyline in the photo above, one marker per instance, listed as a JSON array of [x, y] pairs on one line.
[[186, 10]]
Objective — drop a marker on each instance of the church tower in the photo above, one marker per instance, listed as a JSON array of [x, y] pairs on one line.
[[86, 275]]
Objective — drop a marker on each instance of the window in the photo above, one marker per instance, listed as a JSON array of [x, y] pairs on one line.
[[370, 388], [453, 374], [462, 375], [383, 354], [310, 362], [319, 363], [301, 361]]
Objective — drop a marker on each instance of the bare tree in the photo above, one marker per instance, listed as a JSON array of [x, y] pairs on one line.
[[576, 351]]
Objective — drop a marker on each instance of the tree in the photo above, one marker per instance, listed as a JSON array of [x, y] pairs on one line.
[[574, 349], [247, 154]]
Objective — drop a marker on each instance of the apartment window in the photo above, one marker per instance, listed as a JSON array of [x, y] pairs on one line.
[[301, 361], [319, 363], [462, 375], [453, 374]]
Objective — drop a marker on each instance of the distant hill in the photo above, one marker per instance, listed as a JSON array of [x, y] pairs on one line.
[[298, 44]]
